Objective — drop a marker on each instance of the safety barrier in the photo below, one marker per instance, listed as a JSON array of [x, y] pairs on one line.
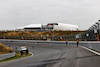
[[95, 45], [5, 56], [92, 45]]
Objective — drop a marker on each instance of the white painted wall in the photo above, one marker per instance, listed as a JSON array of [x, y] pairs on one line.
[[64, 27]]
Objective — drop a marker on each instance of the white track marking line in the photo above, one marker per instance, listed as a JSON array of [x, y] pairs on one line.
[[31, 53], [90, 50]]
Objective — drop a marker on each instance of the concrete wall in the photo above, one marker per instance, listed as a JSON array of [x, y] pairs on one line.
[[5, 56]]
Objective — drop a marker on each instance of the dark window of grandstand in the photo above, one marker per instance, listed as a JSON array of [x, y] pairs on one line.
[[53, 24], [33, 28]]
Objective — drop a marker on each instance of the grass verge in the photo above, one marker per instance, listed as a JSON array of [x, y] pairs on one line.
[[17, 56]]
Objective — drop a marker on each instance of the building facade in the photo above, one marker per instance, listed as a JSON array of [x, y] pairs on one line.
[[48, 26]]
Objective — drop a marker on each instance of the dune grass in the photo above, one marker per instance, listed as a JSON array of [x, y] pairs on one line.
[[5, 49], [35, 33]]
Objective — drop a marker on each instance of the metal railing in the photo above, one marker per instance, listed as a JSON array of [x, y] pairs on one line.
[[5, 56]]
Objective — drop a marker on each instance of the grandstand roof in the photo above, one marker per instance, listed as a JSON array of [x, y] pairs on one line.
[[32, 25]]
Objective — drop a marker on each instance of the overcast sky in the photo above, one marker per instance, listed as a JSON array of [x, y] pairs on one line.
[[16, 13]]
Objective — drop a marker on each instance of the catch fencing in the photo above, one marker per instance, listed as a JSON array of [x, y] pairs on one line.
[[50, 38]]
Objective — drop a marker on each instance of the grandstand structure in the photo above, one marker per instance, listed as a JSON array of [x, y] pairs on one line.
[[48, 27]]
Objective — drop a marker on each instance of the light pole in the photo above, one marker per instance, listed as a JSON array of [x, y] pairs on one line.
[[92, 33], [53, 32], [98, 31]]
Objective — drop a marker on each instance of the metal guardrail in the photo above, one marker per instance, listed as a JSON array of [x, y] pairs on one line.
[[5, 56]]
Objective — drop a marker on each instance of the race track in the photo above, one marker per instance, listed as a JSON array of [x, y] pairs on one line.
[[53, 55]]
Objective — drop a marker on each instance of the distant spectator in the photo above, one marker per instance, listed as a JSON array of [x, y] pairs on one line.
[[66, 42], [77, 43], [26, 51], [21, 52]]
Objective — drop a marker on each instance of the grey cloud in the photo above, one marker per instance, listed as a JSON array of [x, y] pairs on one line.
[[16, 13]]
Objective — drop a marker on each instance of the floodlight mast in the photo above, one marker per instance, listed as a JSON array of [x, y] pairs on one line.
[[98, 29], [53, 32]]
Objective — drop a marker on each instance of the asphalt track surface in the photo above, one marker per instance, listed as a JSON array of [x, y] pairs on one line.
[[54, 55]]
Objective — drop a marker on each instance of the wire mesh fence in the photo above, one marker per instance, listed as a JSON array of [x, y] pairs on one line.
[[52, 38]]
